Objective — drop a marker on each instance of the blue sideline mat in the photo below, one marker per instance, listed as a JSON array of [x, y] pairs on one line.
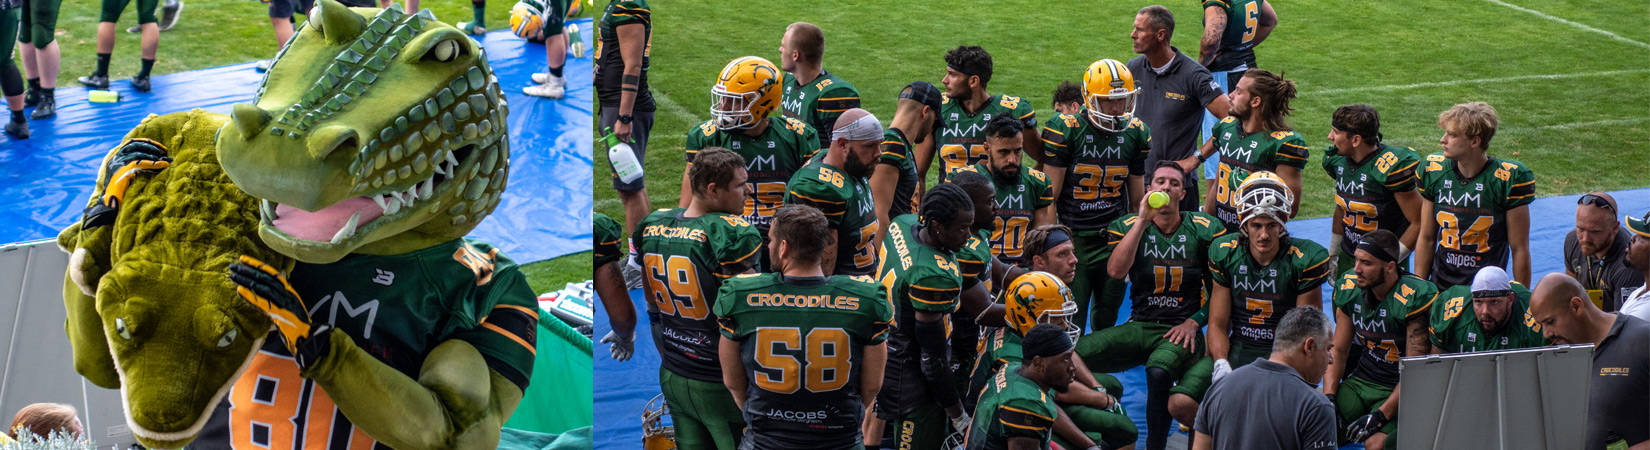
[[623, 388], [545, 211]]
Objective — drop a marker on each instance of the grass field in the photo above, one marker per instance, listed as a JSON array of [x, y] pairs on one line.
[[1567, 77]]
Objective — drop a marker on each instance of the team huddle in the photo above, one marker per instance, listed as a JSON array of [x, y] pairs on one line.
[[813, 291]]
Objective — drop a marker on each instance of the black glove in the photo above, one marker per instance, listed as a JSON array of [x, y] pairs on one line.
[[1362, 427], [134, 156], [265, 288], [1331, 397]]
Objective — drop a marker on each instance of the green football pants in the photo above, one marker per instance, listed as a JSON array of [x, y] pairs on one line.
[[704, 413]]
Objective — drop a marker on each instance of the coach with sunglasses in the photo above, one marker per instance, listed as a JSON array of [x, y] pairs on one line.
[[1594, 252]]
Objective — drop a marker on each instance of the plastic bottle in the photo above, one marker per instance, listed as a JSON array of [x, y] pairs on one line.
[[622, 158]]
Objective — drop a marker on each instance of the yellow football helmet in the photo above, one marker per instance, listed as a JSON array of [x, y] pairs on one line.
[[1264, 194], [1040, 297], [655, 434], [527, 18], [745, 94], [1108, 79]]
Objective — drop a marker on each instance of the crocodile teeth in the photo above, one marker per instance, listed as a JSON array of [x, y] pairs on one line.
[[268, 208], [426, 188], [379, 199], [348, 230], [451, 159], [440, 168], [392, 205]]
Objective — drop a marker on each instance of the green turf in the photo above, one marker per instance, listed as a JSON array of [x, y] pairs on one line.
[[1578, 133], [552, 274]]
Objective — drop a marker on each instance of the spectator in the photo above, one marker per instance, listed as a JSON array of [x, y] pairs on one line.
[[43, 419], [1272, 403], [1595, 251], [1618, 399], [1637, 303], [280, 18], [41, 56], [1174, 92], [11, 82], [554, 35]]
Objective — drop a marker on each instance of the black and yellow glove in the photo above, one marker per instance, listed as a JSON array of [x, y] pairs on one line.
[[134, 156], [265, 288]]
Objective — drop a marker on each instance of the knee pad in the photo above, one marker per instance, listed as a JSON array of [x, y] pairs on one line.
[[1156, 377], [11, 81]]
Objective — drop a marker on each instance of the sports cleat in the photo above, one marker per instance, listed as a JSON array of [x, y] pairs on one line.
[[46, 108], [554, 88], [169, 14], [472, 28], [541, 77], [18, 130], [32, 97], [140, 83], [95, 81]]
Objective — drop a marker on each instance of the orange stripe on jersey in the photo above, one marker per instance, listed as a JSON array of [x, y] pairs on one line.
[[512, 336], [529, 311]]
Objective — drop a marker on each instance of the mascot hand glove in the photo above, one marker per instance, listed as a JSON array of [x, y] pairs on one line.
[[265, 288], [134, 156]]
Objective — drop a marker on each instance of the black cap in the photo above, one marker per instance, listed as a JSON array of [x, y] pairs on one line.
[[923, 93]]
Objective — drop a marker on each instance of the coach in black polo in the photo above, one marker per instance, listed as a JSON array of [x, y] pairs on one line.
[[1618, 398], [1174, 92]]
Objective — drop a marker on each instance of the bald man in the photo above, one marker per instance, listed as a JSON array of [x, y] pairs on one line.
[[838, 183], [1618, 405]]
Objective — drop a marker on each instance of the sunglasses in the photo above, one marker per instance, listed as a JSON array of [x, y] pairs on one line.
[[1597, 201]]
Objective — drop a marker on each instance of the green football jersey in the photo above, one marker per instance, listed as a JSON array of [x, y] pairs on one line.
[[1381, 324], [819, 102], [1243, 154], [896, 152], [1262, 294], [802, 342], [1098, 165], [959, 135], [1012, 406], [1365, 189], [915, 278], [999, 348], [974, 260], [1017, 204], [1471, 214], [608, 235], [610, 64], [397, 308], [847, 204], [1454, 328], [771, 158], [1173, 264], [1237, 47], [684, 261]]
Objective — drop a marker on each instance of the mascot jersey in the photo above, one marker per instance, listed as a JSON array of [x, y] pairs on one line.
[[397, 308]]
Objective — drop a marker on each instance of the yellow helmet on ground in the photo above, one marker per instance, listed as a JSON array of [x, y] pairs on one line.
[[655, 434], [745, 94], [1264, 194], [527, 18], [1108, 79], [1040, 297]]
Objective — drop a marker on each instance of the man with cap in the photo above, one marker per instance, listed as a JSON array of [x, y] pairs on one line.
[[1594, 252], [1271, 404], [1637, 303], [1496, 316], [1016, 409], [1618, 398], [1380, 309], [894, 182], [838, 184]]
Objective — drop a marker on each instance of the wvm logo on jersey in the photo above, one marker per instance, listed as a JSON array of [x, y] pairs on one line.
[[958, 130]]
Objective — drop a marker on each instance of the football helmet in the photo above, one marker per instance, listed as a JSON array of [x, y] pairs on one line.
[[527, 18], [1264, 194], [1040, 297], [1108, 79], [655, 434], [745, 94]]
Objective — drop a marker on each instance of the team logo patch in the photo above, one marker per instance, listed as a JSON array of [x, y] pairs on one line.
[[384, 277]]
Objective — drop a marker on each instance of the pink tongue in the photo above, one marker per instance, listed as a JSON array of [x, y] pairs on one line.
[[324, 224]]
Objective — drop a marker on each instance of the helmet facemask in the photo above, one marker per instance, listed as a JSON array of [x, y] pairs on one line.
[[737, 115], [1108, 122], [1067, 310], [1263, 197]]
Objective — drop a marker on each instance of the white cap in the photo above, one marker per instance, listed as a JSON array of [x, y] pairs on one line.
[[1491, 281]]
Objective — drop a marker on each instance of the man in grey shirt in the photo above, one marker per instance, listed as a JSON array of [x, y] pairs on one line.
[[1274, 403], [1618, 399], [1594, 252], [1174, 92]]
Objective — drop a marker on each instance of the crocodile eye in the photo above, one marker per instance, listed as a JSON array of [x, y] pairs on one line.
[[228, 338], [120, 328], [444, 51]]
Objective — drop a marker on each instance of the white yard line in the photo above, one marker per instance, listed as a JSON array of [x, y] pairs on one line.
[[1395, 87], [1573, 24], [676, 109]]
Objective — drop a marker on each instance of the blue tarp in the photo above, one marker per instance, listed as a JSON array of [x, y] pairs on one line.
[[546, 207], [624, 388]]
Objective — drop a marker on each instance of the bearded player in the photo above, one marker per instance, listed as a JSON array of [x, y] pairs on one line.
[[1493, 313], [1255, 138], [959, 136], [1024, 198], [1382, 310], [1475, 211], [838, 184]]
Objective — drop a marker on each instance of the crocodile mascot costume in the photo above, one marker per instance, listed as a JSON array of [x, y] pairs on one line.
[[294, 275]]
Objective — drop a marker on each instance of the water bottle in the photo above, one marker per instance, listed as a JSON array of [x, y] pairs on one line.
[[623, 158]]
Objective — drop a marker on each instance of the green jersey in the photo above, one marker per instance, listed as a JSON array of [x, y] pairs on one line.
[[610, 63], [974, 260], [999, 348], [397, 308], [685, 261], [1243, 154], [771, 158], [1454, 328], [1017, 205], [959, 135], [1012, 406], [608, 235], [916, 278], [896, 152], [1098, 165], [819, 102], [1173, 264], [1471, 214], [802, 342], [1237, 47], [1262, 294], [846, 202], [1367, 191], [1380, 325]]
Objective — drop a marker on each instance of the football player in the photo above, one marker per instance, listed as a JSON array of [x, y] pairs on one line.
[[686, 254], [919, 274], [966, 111], [1231, 30], [623, 33], [812, 95], [838, 184], [1068, 99], [1255, 138], [802, 351], [1474, 214], [981, 272], [1016, 410], [610, 285], [1374, 185], [1383, 310], [1095, 163], [1163, 251], [1260, 273], [774, 147], [1500, 316], [894, 182], [1024, 198]]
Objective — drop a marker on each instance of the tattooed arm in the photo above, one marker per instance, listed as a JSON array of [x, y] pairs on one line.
[[1214, 25]]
